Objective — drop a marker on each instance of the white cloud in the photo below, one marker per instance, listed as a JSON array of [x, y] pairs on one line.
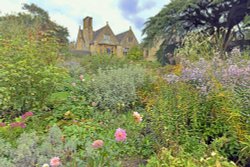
[[11, 6], [69, 13]]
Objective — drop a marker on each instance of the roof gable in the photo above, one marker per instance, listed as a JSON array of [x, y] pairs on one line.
[[99, 36], [127, 38], [121, 36]]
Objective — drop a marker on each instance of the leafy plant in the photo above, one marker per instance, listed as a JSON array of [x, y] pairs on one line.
[[116, 88], [28, 74]]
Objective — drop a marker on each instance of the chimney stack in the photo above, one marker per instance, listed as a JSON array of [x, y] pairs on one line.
[[88, 30]]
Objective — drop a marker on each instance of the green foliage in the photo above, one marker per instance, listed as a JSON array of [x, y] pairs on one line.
[[34, 21], [95, 62], [135, 53], [167, 158], [5, 150], [180, 115], [33, 150], [165, 25], [196, 46], [28, 73], [116, 88]]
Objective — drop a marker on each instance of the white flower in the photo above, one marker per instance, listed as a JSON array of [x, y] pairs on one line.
[[45, 165], [137, 117], [213, 153]]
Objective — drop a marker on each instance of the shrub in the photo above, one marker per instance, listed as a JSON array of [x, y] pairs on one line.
[[196, 46], [116, 88], [167, 158], [95, 62], [180, 115], [28, 73], [135, 53], [33, 150]]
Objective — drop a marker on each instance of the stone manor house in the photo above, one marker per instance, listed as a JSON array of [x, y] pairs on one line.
[[103, 40]]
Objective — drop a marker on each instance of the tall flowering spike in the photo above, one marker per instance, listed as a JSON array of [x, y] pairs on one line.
[[55, 162], [97, 144], [137, 117], [120, 135]]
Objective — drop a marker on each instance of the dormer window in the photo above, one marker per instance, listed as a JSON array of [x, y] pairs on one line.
[[106, 37]]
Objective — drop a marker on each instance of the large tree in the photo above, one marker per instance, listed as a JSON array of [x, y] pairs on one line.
[[221, 18], [165, 24], [34, 21], [226, 18]]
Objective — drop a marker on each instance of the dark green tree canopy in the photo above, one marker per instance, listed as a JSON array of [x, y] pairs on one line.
[[224, 18], [212, 17]]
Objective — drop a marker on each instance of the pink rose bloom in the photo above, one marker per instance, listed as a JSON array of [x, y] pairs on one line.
[[97, 144], [2, 124], [120, 135], [81, 77], [55, 161]]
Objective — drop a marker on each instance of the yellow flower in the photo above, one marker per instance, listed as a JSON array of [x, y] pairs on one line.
[[221, 95], [213, 154], [67, 113]]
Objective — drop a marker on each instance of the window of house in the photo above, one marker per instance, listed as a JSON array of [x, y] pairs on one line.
[[106, 37], [109, 51], [125, 51], [130, 39]]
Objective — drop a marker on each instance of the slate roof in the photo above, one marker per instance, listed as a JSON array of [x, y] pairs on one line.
[[97, 32], [120, 36]]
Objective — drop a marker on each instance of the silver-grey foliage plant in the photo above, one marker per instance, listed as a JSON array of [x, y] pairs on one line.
[[34, 151], [117, 87]]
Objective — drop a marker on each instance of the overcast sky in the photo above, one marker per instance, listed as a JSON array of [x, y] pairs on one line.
[[69, 13]]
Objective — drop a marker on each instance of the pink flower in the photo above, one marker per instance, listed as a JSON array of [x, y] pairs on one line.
[[137, 117], [120, 135], [97, 144], [2, 124], [55, 161], [27, 114], [22, 125], [18, 124], [13, 124]]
